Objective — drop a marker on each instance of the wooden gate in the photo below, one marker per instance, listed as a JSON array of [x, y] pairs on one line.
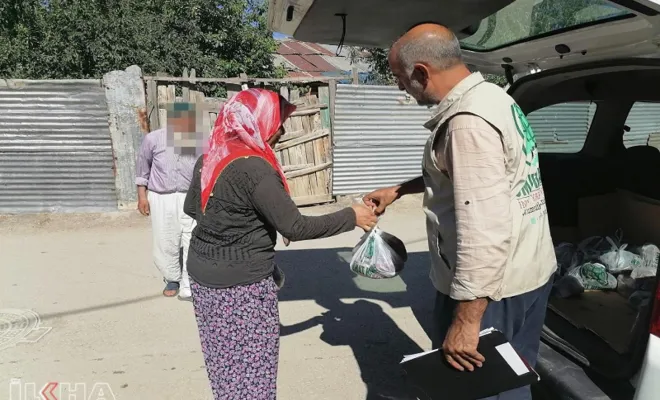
[[305, 151]]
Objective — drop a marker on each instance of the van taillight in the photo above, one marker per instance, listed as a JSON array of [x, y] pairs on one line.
[[655, 314]]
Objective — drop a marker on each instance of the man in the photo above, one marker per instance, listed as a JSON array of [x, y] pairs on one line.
[[489, 239], [164, 170]]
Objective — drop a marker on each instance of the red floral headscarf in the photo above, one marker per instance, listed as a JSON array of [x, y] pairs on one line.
[[245, 123]]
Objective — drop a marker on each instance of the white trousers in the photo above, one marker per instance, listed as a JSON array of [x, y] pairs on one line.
[[172, 230]]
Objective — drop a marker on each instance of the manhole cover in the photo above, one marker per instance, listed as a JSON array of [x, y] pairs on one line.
[[20, 326]]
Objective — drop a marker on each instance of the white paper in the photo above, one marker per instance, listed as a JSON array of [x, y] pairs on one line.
[[487, 331], [413, 356], [512, 358]]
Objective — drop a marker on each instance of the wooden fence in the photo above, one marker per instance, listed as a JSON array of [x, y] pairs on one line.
[[305, 151]]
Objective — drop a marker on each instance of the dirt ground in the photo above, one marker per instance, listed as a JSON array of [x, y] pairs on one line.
[[81, 306]]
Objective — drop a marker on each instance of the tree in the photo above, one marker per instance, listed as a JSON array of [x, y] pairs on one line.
[[379, 68], [42, 39]]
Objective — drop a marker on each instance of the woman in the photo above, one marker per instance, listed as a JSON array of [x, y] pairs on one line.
[[239, 197]]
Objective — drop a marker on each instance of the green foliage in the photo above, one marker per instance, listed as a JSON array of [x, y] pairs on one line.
[[379, 73], [86, 38]]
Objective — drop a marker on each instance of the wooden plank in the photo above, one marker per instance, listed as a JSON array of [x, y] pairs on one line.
[[297, 149], [332, 89], [300, 112], [304, 139], [162, 99], [321, 176], [323, 121], [152, 105], [306, 105], [294, 95], [292, 135], [290, 152], [308, 200], [327, 155], [324, 98], [290, 168], [309, 182], [171, 93], [313, 181], [239, 80], [286, 161], [307, 171], [185, 91]]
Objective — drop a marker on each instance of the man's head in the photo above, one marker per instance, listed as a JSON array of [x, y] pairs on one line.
[[427, 62], [181, 117], [182, 128]]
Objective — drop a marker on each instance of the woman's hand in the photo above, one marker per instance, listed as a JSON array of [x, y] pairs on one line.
[[364, 217]]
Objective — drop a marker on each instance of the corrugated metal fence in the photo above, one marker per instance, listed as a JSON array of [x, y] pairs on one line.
[[378, 138], [55, 147], [562, 128], [379, 135], [644, 121]]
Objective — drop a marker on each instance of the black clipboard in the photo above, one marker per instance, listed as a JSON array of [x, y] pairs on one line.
[[432, 378]]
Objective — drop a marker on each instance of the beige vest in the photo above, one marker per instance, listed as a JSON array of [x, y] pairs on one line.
[[531, 261]]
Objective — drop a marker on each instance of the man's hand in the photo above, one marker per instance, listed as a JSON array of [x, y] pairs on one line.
[[460, 346], [380, 199], [143, 200], [143, 206]]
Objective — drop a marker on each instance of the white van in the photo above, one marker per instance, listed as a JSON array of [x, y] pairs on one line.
[[605, 53]]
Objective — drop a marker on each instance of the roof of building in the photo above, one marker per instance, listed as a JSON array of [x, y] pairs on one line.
[[302, 59]]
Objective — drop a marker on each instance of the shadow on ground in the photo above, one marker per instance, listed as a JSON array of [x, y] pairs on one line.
[[378, 344]]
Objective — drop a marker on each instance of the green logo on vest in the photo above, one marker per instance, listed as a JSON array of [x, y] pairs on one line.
[[527, 135]]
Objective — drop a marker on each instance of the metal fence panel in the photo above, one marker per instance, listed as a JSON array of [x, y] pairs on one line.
[[378, 138], [643, 120], [379, 135], [561, 128], [55, 147]]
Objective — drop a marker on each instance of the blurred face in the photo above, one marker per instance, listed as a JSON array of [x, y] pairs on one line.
[[182, 134], [185, 123]]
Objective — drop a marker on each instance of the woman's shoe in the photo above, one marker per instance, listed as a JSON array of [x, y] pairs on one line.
[[171, 289]]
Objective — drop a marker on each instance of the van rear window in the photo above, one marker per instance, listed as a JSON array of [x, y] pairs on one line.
[[525, 20]]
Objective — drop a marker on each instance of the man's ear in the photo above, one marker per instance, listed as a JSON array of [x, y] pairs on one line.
[[421, 74]]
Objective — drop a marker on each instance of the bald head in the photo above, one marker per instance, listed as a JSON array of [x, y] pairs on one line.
[[430, 44], [427, 63]]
